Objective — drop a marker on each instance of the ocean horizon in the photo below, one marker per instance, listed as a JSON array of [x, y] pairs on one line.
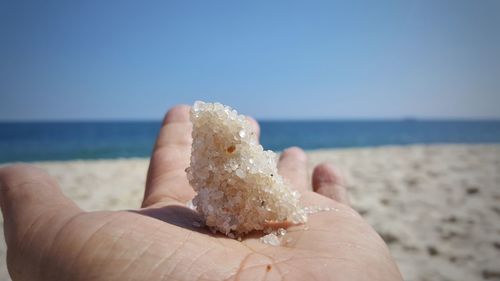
[[25, 141]]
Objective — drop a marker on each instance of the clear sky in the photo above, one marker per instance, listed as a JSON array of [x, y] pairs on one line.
[[269, 59]]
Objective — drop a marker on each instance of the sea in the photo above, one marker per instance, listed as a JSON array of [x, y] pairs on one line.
[[44, 141]]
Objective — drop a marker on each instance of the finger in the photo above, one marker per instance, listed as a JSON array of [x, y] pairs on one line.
[[255, 126], [292, 166], [29, 197], [327, 182], [166, 181]]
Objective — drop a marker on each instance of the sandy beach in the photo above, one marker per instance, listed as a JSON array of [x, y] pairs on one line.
[[437, 206]]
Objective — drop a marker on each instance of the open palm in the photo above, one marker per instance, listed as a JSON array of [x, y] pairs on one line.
[[50, 238]]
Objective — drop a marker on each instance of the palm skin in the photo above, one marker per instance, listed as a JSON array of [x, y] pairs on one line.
[[50, 238]]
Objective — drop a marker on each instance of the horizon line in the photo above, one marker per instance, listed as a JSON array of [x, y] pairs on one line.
[[118, 120]]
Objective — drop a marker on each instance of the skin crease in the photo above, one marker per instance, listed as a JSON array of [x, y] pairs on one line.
[[50, 238]]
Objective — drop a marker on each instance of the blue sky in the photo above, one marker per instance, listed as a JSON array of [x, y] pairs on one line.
[[269, 59]]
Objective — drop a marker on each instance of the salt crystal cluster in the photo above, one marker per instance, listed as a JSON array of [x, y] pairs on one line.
[[237, 182]]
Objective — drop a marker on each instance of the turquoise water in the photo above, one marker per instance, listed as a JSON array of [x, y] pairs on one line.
[[30, 141]]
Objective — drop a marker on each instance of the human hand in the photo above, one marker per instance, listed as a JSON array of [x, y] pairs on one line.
[[50, 238]]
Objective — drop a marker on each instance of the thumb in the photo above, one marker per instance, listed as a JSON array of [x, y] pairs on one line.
[[29, 199]]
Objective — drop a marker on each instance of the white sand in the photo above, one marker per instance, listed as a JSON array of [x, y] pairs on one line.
[[437, 206]]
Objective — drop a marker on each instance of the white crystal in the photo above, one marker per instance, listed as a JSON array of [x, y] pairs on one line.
[[237, 183], [281, 232], [242, 133], [190, 205], [271, 239]]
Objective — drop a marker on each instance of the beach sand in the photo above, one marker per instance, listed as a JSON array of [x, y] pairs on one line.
[[437, 207]]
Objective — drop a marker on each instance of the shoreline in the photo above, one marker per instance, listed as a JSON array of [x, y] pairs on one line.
[[329, 149], [435, 205]]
